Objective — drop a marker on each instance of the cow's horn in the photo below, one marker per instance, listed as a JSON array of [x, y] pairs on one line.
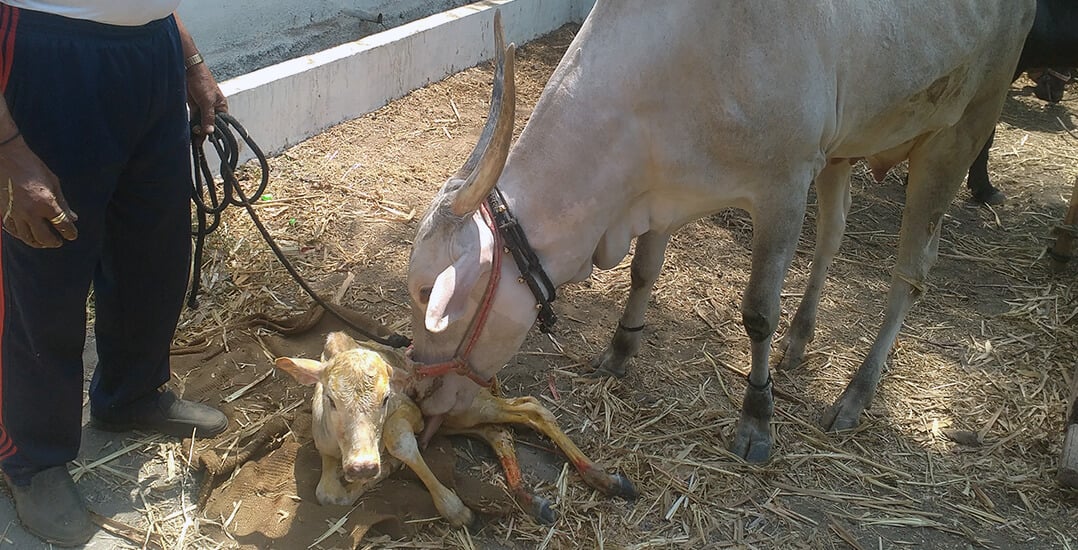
[[484, 165]]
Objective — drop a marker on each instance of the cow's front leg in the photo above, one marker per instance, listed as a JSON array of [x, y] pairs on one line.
[[646, 265], [775, 230], [833, 199], [399, 436]]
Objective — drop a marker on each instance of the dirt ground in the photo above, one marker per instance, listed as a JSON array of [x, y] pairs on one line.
[[959, 449]]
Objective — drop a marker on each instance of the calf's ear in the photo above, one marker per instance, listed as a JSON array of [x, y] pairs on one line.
[[306, 371], [337, 342]]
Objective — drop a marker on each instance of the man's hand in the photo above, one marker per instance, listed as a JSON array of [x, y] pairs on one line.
[[205, 98], [34, 209]]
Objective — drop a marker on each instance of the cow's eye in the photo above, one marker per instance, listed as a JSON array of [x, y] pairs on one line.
[[385, 401], [424, 294]]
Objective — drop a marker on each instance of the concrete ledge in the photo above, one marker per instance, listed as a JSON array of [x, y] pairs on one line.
[[286, 103]]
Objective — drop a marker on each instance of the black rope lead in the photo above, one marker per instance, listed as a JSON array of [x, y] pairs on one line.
[[209, 205]]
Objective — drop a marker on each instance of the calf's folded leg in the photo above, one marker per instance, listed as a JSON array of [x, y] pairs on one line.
[[399, 437]]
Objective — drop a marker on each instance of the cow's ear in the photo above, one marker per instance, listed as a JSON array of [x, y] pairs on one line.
[[306, 371], [449, 295]]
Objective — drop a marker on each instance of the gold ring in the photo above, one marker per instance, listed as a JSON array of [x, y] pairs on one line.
[[59, 218]]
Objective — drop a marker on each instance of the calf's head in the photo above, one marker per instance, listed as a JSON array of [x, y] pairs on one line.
[[354, 388]]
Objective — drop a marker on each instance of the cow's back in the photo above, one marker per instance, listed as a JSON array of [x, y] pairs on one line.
[[847, 77]]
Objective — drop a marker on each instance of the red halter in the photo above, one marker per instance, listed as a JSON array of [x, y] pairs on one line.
[[459, 363]]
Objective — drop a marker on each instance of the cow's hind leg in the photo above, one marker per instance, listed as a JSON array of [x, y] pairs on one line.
[[980, 188], [936, 168], [501, 441], [833, 198], [775, 228], [647, 263]]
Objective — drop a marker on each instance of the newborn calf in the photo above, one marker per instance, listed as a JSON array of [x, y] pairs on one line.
[[361, 408]]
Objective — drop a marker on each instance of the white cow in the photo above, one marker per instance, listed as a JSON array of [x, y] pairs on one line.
[[663, 112]]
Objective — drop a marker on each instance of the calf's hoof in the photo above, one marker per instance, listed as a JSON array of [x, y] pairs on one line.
[[1068, 466], [623, 488], [461, 517], [330, 494], [541, 511], [611, 485]]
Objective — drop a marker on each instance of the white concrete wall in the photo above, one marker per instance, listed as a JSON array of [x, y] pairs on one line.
[[286, 103], [239, 36]]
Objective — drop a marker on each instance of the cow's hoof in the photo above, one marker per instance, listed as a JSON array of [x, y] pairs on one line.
[[840, 417], [991, 196], [752, 441], [610, 364], [792, 354], [754, 447]]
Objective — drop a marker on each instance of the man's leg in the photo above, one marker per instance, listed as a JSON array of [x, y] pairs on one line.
[[140, 283], [48, 87]]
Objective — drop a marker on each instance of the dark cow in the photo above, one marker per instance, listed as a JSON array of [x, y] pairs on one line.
[[1053, 42]]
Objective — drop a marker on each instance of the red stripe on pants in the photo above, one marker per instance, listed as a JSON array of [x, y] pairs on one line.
[[9, 18]]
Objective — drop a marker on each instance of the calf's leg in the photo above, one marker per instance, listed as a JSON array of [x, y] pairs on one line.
[[775, 228], [833, 198], [399, 436], [646, 265], [330, 490], [501, 441], [487, 409]]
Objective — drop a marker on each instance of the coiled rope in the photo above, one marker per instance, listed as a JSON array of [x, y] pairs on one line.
[[210, 202]]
